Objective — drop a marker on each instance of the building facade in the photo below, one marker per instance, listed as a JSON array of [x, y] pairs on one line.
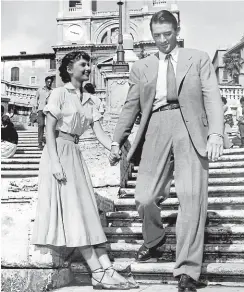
[[82, 27], [28, 69], [222, 75]]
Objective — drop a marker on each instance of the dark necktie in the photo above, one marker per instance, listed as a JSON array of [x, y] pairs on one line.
[[172, 95]]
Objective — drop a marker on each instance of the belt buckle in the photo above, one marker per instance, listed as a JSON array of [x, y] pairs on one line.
[[76, 140]]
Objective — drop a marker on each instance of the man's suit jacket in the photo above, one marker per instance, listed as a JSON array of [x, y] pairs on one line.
[[198, 93]]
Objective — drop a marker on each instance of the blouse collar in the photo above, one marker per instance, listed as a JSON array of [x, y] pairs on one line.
[[86, 96]]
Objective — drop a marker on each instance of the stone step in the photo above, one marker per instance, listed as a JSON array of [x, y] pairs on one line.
[[166, 253], [224, 233], [238, 171], [18, 160], [155, 273], [24, 152], [212, 165], [19, 174], [211, 181], [12, 167], [27, 148], [27, 156], [131, 218], [217, 191]]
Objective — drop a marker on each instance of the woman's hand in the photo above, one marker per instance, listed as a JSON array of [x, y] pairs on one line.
[[58, 172]]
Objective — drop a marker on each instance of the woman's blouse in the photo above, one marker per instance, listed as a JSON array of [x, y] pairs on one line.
[[73, 115]]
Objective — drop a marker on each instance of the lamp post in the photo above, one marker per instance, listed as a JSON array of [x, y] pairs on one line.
[[120, 65]]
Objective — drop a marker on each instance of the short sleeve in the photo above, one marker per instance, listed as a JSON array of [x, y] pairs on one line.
[[55, 101], [96, 115]]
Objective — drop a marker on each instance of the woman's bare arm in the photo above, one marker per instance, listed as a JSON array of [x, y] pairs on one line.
[[102, 137], [52, 148]]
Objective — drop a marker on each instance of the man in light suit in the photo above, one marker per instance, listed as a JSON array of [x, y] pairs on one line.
[[181, 128]]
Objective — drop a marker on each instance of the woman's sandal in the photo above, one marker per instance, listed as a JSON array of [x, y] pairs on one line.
[[103, 286], [132, 284]]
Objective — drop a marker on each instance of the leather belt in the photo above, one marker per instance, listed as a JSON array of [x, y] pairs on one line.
[[67, 136], [167, 107]]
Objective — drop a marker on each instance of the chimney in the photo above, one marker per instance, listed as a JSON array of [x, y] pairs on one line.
[[23, 53]]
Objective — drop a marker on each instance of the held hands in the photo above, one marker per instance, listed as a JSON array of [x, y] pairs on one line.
[[214, 147], [58, 172], [115, 155]]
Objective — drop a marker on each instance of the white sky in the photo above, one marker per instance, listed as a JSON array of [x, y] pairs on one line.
[[207, 25]]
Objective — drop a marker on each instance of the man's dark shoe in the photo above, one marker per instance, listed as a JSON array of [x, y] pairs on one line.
[[186, 284], [144, 254]]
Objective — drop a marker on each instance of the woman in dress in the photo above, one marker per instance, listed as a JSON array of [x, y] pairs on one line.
[[9, 137], [67, 213]]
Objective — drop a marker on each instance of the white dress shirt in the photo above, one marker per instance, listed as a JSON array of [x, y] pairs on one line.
[[161, 88]]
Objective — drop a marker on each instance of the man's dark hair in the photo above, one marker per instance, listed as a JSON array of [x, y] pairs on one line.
[[162, 17], [49, 78], [242, 100], [89, 88], [224, 99]]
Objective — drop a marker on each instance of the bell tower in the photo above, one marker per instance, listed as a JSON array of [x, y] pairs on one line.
[[74, 21]]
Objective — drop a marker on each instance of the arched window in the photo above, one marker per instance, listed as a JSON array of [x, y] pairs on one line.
[[15, 74]]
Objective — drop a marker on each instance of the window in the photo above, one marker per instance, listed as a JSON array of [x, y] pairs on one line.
[[33, 80], [33, 64], [15, 74], [52, 64], [225, 75]]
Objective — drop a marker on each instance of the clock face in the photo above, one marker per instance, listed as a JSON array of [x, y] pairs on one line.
[[74, 33]]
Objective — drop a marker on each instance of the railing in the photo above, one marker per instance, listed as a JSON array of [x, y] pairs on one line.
[[75, 9], [18, 93], [233, 94], [116, 13], [158, 2]]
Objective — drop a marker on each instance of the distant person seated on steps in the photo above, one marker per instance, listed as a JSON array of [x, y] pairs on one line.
[[240, 119], [9, 138]]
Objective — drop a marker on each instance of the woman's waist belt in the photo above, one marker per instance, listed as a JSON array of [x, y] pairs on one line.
[[67, 136]]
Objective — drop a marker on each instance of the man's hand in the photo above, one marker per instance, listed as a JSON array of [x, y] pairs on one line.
[[114, 156], [214, 147]]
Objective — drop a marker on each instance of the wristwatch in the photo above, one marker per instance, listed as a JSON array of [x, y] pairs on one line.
[[221, 136]]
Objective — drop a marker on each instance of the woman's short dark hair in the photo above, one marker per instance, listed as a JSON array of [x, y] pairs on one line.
[[224, 99], [69, 59], [162, 17]]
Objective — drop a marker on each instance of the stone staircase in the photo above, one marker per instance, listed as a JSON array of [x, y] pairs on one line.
[[224, 232]]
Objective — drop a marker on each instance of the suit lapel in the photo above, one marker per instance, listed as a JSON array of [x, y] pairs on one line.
[[151, 76], [183, 65]]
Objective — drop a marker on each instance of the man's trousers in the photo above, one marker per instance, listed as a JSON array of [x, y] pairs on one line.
[[41, 126], [167, 148]]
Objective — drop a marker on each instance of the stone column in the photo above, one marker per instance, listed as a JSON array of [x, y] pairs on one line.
[[128, 44]]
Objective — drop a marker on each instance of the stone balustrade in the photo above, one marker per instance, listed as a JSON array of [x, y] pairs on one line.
[[158, 2], [23, 95], [115, 13], [75, 9], [233, 94]]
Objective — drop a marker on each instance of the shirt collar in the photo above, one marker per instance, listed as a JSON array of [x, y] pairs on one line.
[[86, 96], [174, 53]]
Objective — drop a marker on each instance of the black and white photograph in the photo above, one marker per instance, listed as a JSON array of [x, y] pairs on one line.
[[122, 145]]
